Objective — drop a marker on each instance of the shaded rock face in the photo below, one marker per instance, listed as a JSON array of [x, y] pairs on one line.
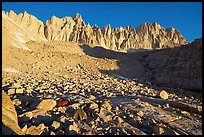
[[176, 67], [145, 36], [9, 117]]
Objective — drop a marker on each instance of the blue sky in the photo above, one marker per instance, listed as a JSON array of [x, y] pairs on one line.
[[184, 16]]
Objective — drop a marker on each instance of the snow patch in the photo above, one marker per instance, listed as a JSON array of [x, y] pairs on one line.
[[21, 46], [140, 80], [11, 70], [32, 38], [120, 77], [20, 41], [19, 37], [4, 16], [30, 35]]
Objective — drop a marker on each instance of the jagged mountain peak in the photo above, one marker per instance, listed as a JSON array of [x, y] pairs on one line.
[[25, 12], [11, 12], [150, 25], [170, 29], [77, 16], [107, 27], [146, 35]]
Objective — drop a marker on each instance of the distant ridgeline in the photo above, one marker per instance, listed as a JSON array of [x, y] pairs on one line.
[[145, 36]]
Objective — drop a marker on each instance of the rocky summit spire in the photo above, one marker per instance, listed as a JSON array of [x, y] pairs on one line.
[[78, 19], [77, 16]]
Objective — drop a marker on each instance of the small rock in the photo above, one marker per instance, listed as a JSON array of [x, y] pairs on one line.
[[37, 112], [55, 125], [33, 130], [107, 105], [11, 91], [152, 121], [105, 115], [99, 128], [166, 105], [47, 104], [16, 85], [73, 129], [146, 104], [92, 97], [131, 115], [117, 108], [163, 94], [97, 119], [140, 84], [157, 130], [62, 119], [52, 133], [75, 105], [29, 114], [42, 126], [66, 87], [24, 128], [17, 102], [199, 108], [122, 92], [118, 119], [140, 113], [159, 106], [19, 91], [138, 118], [25, 117], [110, 94], [88, 133], [62, 109], [93, 106], [185, 113]]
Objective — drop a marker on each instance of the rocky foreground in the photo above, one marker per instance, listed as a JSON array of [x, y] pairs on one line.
[[98, 104]]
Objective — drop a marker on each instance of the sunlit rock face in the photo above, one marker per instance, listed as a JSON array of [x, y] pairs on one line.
[[145, 36], [28, 22]]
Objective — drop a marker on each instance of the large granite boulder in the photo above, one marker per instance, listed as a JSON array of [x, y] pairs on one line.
[[9, 117]]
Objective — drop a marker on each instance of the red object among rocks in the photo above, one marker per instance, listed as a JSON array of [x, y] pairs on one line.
[[62, 103]]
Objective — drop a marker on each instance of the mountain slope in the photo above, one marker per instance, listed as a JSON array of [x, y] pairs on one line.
[[15, 36]]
